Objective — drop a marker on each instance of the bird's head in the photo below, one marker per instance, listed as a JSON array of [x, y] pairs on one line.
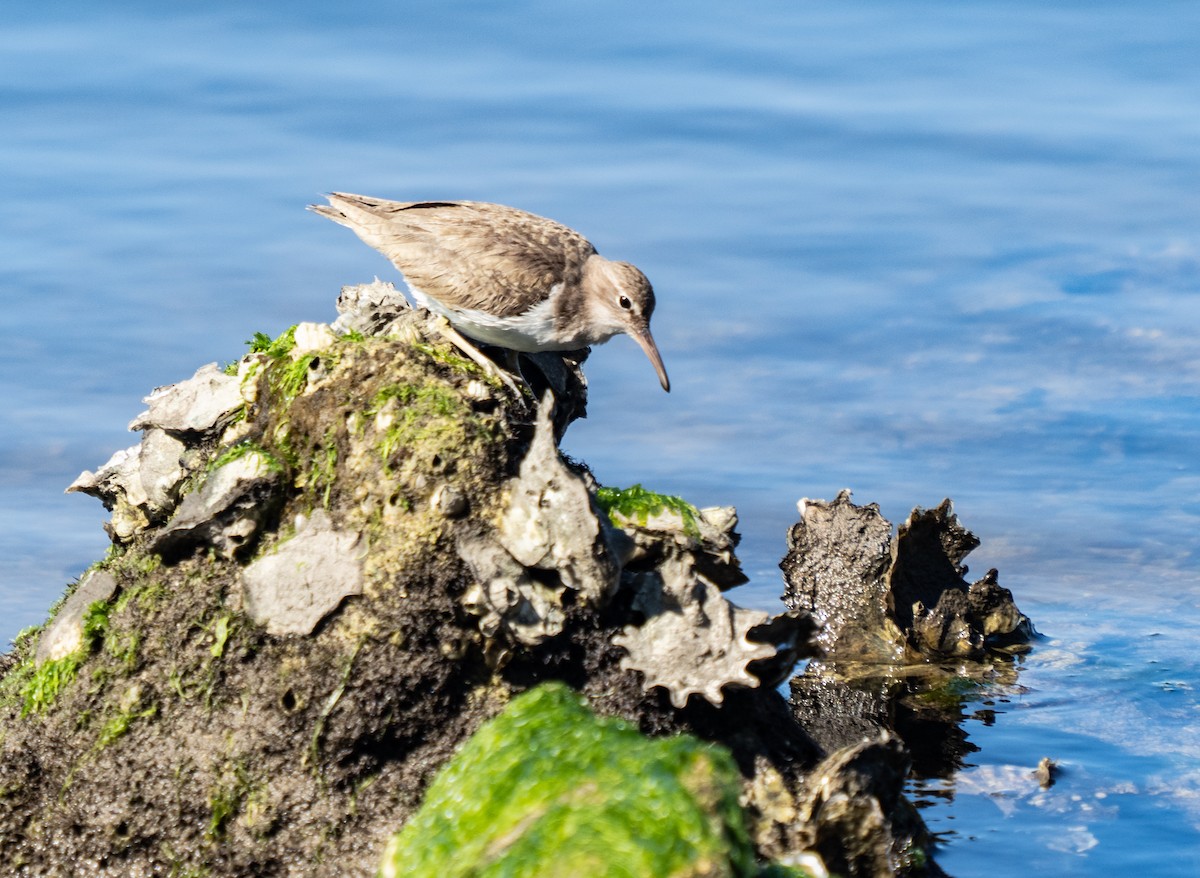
[[622, 300]]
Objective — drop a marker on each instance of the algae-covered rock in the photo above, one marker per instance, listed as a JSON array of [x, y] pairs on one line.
[[548, 789], [328, 583]]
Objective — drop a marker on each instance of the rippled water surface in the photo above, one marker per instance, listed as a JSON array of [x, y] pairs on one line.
[[918, 250]]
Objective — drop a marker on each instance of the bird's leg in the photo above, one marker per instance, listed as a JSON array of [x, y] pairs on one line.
[[489, 367]]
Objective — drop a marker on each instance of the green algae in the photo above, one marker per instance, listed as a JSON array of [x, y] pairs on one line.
[[428, 418], [639, 505], [244, 449], [547, 788], [276, 348], [322, 471], [41, 684]]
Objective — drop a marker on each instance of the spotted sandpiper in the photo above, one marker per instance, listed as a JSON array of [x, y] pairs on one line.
[[503, 276]]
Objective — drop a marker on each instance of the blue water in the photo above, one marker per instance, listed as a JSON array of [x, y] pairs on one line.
[[919, 250]]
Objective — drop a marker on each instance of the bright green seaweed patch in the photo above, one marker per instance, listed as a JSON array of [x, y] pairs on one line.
[[548, 789], [40, 689], [288, 374], [637, 504], [275, 348], [43, 683]]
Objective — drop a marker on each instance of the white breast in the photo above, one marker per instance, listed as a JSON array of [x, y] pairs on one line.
[[529, 332]]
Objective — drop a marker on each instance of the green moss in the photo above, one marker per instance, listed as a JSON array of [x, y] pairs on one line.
[[220, 634], [639, 505], [225, 800], [427, 420], [118, 724], [314, 747], [548, 789], [291, 377], [40, 685], [43, 683], [25, 638], [322, 471], [275, 348], [240, 450], [287, 373]]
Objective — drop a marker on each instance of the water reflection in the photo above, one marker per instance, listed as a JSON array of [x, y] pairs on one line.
[[927, 706]]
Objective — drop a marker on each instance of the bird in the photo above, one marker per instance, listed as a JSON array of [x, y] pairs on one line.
[[502, 276]]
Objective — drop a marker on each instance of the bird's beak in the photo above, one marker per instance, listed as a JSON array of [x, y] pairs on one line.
[[646, 341]]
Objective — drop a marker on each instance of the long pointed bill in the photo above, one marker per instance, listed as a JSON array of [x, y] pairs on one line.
[[646, 341]]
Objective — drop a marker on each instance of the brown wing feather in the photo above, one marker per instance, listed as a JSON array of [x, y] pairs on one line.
[[468, 254]]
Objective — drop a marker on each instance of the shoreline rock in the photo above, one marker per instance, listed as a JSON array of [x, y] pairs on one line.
[[339, 558]]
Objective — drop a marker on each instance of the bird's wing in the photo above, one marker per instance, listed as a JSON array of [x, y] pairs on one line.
[[467, 254]]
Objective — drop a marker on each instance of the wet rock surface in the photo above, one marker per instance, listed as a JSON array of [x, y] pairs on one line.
[[888, 600], [337, 559]]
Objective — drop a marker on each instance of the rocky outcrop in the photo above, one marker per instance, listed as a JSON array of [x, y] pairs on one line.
[[334, 560], [339, 558]]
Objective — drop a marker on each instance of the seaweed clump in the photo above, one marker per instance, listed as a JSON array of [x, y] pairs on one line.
[[547, 788]]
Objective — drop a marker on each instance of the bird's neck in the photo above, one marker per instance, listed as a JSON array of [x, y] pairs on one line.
[[580, 313]]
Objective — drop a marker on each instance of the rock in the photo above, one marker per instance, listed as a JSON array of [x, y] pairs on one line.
[[139, 484], [551, 539], [64, 635], [853, 813], [202, 404], [553, 524], [370, 309], [709, 535], [290, 728], [885, 600], [933, 602], [694, 641], [311, 338], [1046, 772], [511, 605], [836, 568], [290, 590], [226, 511]]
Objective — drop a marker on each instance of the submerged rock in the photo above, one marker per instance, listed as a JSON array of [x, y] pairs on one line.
[[852, 811]]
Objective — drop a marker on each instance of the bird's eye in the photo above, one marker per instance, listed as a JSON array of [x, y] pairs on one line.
[[625, 303]]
